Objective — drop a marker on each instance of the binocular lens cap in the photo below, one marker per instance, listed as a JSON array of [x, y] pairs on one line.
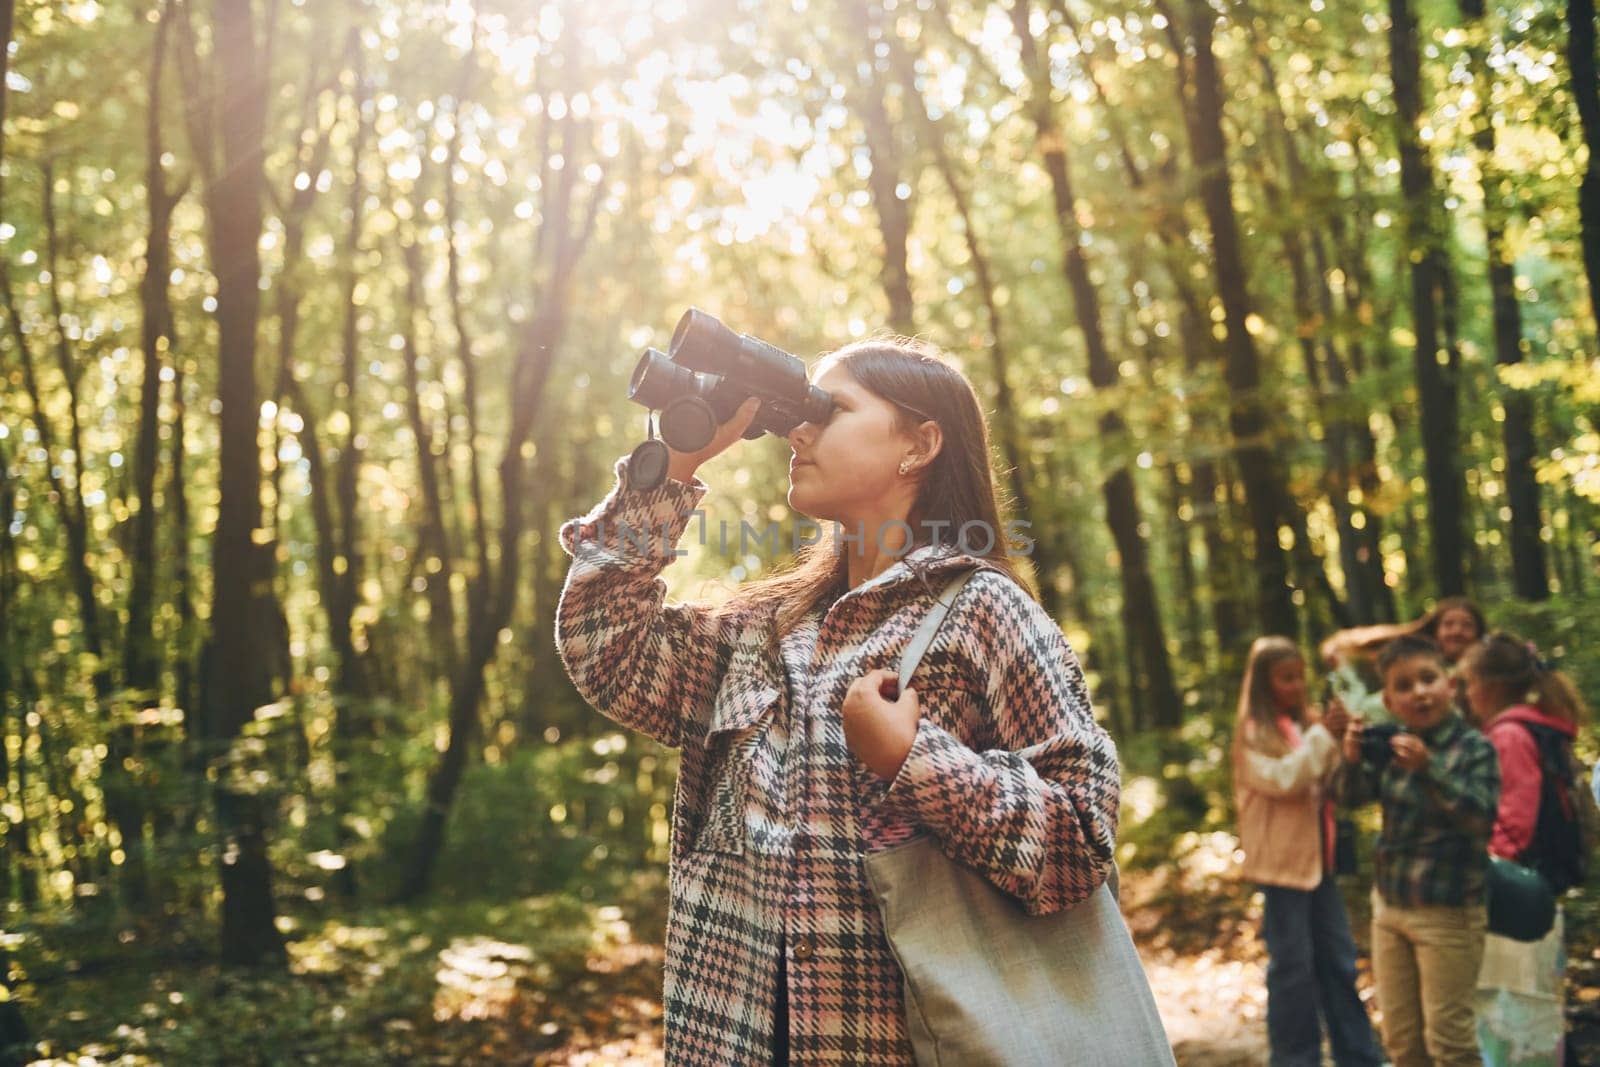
[[688, 424]]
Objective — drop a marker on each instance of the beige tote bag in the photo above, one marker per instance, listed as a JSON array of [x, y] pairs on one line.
[[988, 984]]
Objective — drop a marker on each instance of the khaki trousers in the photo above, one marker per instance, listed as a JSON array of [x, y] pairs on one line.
[[1425, 963]]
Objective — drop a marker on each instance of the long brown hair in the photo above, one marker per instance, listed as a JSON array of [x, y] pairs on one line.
[[1510, 664], [1366, 640], [1257, 723], [956, 487]]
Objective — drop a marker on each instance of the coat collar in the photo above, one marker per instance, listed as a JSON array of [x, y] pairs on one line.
[[926, 561]]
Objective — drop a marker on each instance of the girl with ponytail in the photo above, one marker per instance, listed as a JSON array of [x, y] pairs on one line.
[[1530, 713]]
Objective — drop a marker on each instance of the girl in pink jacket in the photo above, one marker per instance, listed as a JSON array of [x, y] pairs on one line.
[[1282, 759], [797, 758], [1515, 699]]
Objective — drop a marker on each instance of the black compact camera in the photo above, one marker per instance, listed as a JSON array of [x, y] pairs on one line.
[[1375, 749], [708, 371]]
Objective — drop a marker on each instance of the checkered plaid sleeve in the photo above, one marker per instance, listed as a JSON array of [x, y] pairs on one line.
[[1466, 783], [638, 661], [1036, 815]]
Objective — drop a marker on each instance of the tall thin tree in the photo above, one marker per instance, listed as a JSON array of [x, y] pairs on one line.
[[1152, 684], [235, 674], [1581, 63], [566, 226], [1432, 362], [1529, 574], [13, 1029], [1249, 419]]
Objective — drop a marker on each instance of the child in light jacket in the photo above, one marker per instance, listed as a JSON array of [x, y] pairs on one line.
[[1282, 759]]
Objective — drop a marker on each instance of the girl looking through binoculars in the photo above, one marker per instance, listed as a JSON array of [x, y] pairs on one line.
[[799, 757]]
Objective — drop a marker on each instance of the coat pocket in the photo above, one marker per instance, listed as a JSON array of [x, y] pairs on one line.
[[738, 726]]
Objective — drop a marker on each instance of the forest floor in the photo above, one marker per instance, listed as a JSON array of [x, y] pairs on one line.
[[554, 980]]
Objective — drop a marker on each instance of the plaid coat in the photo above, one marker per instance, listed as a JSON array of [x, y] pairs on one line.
[[772, 816]]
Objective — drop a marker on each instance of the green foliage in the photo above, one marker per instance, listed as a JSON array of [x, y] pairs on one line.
[[584, 815], [1566, 631], [365, 988]]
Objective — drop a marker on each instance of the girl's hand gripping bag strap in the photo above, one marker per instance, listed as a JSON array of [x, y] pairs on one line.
[[987, 984]]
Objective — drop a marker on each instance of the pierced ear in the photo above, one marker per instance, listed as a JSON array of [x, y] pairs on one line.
[[930, 440]]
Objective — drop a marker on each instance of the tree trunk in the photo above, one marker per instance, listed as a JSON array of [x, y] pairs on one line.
[[124, 806], [177, 747], [1360, 304], [458, 317], [237, 674], [19, 883], [1529, 576], [333, 506], [1101, 656], [1006, 420], [1580, 545], [467, 683], [1435, 373], [433, 541], [1586, 93], [17, 879], [121, 800], [1266, 493], [1149, 660], [1311, 572], [1371, 599], [141, 659], [1326, 374], [563, 235], [1172, 231], [1195, 646], [12, 1029], [869, 94]]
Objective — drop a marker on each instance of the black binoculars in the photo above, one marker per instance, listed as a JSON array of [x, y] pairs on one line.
[[708, 371]]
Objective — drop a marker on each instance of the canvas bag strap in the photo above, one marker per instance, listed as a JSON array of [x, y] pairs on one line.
[[930, 626]]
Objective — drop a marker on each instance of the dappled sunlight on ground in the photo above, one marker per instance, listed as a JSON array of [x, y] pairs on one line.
[[478, 978], [1214, 1008], [547, 981], [640, 1050]]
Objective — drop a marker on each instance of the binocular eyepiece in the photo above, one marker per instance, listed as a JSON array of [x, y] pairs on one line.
[[708, 371]]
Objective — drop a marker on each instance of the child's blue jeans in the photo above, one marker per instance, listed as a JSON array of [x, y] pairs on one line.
[[1311, 980]]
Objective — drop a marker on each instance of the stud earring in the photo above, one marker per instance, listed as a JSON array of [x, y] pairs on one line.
[[904, 467]]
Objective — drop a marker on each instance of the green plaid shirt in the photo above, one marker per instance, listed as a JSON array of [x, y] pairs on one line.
[[1434, 848]]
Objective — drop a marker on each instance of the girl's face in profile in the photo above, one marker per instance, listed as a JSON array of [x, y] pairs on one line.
[[1287, 679], [1455, 633], [846, 469], [1484, 700]]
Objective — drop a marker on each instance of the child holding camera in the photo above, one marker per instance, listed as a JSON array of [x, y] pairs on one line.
[[1438, 782], [1282, 759]]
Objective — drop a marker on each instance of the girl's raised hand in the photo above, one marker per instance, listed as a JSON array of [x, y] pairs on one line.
[[682, 465], [1336, 717], [1352, 740]]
